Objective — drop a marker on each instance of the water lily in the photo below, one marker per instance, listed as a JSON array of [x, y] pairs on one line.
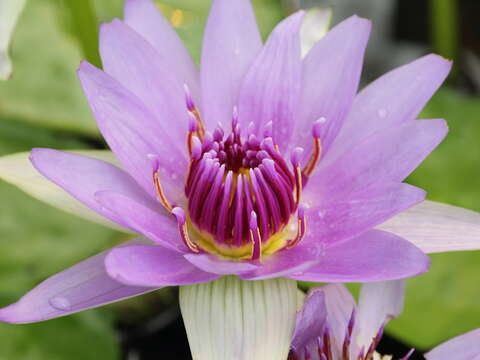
[[263, 164], [332, 326]]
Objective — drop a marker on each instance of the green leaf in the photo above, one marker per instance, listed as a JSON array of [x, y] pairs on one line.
[[44, 88], [85, 28], [78, 337]]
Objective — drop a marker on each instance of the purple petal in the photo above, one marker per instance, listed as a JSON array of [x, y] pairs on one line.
[[463, 347], [82, 176], [394, 98], [145, 18], [231, 42], [373, 256], [150, 265], [153, 223], [331, 73], [213, 264], [83, 286], [311, 320], [271, 89], [285, 262], [378, 303], [138, 67], [341, 215], [388, 155], [132, 132], [340, 306], [436, 227]]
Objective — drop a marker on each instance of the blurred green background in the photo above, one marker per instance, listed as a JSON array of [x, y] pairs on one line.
[[42, 105]]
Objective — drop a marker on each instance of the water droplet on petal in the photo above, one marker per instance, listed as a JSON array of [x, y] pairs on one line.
[[321, 213], [382, 113], [60, 303], [174, 176]]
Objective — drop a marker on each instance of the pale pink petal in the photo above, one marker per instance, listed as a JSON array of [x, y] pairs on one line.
[[82, 176], [83, 286], [231, 42], [341, 215], [396, 97], [213, 264], [155, 224], [311, 320], [463, 347], [132, 132], [331, 73], [150, 265], [373, 256], [340, 305], [378, 303], [436, 227], [288, 261], [271, 89], [138, 67], [389, 155], [146, 19]]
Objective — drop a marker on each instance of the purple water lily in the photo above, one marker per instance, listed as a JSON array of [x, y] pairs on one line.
[[263, 164], [331, 326]]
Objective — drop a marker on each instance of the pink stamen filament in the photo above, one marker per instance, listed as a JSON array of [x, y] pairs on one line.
[[182, 228], [301, 228]]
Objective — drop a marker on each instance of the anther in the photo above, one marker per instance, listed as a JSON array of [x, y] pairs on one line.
[[192, 128], [268, 129], [317, 148], [295, 159], [192, 109], [301, 227], [182, 228], [158, 186], [255, 236]]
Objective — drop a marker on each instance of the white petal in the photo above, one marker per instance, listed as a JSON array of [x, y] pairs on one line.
[[9, 12], [239, 319], [463, 347], [315, 25], [17, 170], [378, 302], [436, 227]]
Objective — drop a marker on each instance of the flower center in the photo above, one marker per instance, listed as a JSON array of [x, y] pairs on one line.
[[241, 192]]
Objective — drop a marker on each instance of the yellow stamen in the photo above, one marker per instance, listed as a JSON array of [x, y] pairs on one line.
[[312, 162], [160, 193]]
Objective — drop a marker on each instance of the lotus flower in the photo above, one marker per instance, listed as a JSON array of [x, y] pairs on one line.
[[331, 326], [262, 165]]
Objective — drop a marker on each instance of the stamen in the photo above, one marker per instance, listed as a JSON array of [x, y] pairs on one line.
[[192, 128], [317, 148], [327, 345], [410, 353], [301, 227], [375, 342], [361, 353], [192, 109], [156, 182], [295, 158], [182, 228], [255, 236], [348, 337], [268, 129]]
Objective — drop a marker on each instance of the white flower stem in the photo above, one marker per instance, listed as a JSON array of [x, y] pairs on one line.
[[238, 319]]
